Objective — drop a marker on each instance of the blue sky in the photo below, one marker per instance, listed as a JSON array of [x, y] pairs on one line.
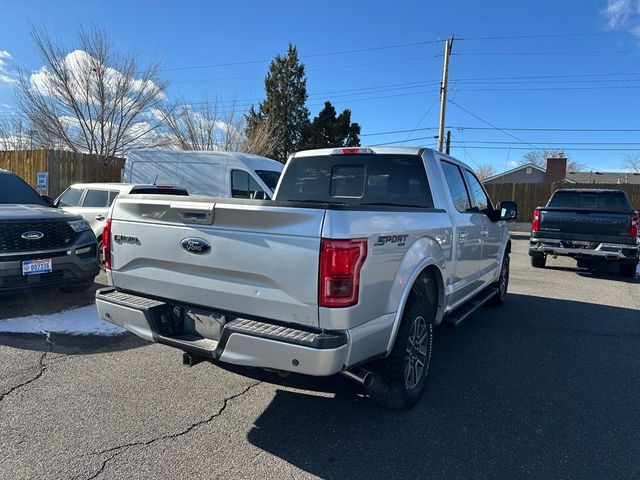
[[584, 74]]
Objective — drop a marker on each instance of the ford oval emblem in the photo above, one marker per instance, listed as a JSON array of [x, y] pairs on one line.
[[32, 235], [195, 245]]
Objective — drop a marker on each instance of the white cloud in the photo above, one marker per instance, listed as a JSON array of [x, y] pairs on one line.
[[623, 15], [78, 63], [6, 75]]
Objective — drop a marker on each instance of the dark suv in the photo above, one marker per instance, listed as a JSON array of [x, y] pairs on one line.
[[41, 245]]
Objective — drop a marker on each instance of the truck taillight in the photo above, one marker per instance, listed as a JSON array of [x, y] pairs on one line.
[[535, 223], [340, 263], [106, 244], [635, 226]]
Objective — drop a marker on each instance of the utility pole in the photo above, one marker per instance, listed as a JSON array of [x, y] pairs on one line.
[[443, 91], [448, 149]]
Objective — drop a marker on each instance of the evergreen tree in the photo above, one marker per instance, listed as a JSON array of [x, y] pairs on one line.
[[328, 130], [284, 105]]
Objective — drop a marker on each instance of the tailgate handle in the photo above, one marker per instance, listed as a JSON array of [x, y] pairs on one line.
[[191, 212]]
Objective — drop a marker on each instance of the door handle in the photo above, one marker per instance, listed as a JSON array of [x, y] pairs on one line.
[[485, 233], [99, 217], [463, 235]]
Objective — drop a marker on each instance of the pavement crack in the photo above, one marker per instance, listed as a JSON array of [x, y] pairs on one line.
[[124, 447], [42, 367]]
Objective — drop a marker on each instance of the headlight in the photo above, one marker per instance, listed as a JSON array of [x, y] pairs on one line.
[[79, 225]]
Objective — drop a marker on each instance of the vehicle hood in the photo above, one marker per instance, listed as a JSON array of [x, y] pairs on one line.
[[15, 212]]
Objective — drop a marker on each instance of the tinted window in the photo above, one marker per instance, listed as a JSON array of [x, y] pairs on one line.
[[14, 190], [112, 196], [457, 189], [244, 186], [616, 201], [71, 198], [357, 180], [269, 177], [478, 195], [347, 181], [96, 199]]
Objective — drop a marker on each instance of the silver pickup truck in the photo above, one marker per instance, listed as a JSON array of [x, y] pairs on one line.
[[361, 253]]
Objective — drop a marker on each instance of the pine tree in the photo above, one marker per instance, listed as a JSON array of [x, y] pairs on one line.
[[328, 130], [284, 105]]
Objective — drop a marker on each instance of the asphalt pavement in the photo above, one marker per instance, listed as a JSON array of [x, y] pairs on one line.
[[546, 386]]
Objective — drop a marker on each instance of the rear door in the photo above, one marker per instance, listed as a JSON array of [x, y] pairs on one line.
[[491, 231], [95, 207], [468, 260]]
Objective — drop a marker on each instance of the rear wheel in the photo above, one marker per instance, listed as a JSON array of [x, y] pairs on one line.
[[628, 268], [538, 260], [401, 377]]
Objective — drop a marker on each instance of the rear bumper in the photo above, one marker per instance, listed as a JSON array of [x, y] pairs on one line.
[[237, 341], [74, 264], [596, 250]]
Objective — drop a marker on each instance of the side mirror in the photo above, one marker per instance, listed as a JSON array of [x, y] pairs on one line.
[[48, 199], [508, 210]]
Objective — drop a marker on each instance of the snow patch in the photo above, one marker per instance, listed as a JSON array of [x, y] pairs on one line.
[[77, 321]]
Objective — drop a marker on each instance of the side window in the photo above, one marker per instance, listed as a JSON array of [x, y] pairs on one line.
[[96, 199], [478, 195], [112, 196], [71, 198], [244, 185], [457, 188]]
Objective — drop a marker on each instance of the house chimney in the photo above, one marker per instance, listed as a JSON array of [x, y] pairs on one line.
[[556, 169]]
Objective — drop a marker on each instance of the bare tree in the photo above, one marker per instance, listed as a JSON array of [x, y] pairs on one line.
[[16, 135], [485, 171], [210, 125], [539, 158], [632, 163], [92, 100]]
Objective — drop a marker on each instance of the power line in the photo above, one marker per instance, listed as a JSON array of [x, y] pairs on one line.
[[313, 55], [568, 149], [492, 125], [543, 35], [554, 52]]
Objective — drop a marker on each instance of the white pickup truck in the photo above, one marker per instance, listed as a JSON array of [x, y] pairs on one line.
[[361, 253]]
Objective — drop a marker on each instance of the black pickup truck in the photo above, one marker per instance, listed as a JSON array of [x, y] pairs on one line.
[[589, 225], [42, 246]]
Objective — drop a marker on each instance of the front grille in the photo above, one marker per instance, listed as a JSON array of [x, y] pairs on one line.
[[56, 234], [17, 281]]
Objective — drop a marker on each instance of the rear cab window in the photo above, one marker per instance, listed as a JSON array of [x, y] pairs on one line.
[[457, 188], [359, 179], [593, 200]]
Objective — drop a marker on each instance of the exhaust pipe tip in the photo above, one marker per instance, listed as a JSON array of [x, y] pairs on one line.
[[360, 375]]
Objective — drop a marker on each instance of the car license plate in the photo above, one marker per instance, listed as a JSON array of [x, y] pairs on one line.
[[36, 267]]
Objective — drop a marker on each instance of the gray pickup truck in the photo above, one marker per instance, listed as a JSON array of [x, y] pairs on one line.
[[361, 253], [41, 246]]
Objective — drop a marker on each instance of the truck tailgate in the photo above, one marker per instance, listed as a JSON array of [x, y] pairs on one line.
[[262, 260], [575, 223]]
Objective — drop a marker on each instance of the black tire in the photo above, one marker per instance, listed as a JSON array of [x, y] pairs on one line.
[[399, 380], [502, 285], [538, 260], [77, 287], [628, 268]]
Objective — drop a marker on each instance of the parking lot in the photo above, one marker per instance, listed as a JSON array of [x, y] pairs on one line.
[[545, 387]]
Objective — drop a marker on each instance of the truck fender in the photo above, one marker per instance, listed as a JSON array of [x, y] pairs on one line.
[[505, 249], [424, 253]]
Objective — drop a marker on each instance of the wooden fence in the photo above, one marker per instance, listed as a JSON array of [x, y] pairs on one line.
[[64, 168], [528, 196]]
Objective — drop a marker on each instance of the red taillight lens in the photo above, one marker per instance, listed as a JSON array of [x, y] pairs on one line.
[[635, 225], [340, 263], [106, 244], [535, 223]]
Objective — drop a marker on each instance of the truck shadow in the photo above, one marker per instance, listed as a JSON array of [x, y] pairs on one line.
[[548, 393], [602, 272], [71, 344]]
